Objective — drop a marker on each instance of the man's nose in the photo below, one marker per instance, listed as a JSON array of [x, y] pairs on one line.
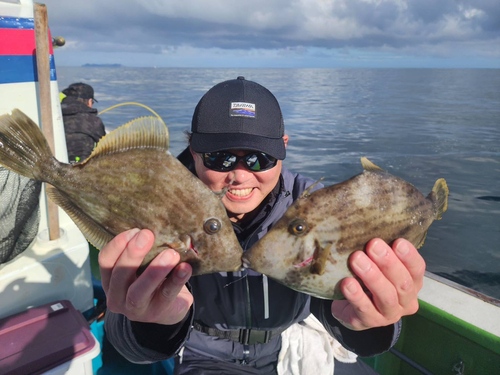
[[240, 173]]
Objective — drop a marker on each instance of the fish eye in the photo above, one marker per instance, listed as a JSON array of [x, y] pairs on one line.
[[298, 227], [212, 226]]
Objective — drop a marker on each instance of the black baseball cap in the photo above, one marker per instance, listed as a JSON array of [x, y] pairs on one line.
[[238, 114], [80, 90]]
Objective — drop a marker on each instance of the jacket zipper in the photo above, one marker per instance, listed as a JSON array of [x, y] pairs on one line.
[[266, 302]]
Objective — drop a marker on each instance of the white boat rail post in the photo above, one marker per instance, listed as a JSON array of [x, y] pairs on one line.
[[43, 69]]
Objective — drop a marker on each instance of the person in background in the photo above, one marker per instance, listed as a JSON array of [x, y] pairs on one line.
[[82, 127], [234, 325]]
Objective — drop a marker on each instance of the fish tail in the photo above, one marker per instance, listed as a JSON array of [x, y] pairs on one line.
[[439, 197], [23, 147]]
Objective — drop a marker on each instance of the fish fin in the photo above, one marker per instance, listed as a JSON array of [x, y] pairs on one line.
[[23, 147], [320, 257], [369, 166], [94, 233], [439, 197], [307, 192], [421, 241], [143, 132]]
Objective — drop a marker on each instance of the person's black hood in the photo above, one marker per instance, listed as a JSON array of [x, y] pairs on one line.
[[71, 106]]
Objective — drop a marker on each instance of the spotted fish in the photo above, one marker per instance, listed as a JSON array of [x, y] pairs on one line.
[[129, 181], [308, 248]]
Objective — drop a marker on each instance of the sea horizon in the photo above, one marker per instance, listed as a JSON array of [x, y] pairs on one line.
[[114, 65]]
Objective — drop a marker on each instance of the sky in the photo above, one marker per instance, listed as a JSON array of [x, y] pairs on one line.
[[278, 33]]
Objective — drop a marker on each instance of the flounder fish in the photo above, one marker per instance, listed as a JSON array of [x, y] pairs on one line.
[[308, 248], [130, 180]]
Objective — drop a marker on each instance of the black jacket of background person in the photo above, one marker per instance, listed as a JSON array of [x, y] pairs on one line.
[[228, 300], [82, 127]]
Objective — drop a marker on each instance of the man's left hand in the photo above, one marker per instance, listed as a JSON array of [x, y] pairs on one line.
[[393, 277]]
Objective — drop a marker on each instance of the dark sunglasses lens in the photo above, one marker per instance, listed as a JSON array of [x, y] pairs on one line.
[[260, 162], [219, 161]]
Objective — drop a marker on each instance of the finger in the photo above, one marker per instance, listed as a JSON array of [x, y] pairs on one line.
[[413, 261], [142, 291], [124, 272], [168, 294], [357, 311], [395, 271], [110, 253], [383, 292]]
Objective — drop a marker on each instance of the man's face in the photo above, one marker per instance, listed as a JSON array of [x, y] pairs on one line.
[[248, 189]]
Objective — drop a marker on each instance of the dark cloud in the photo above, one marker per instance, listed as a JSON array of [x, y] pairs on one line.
[[378, 16], [431, 11], [490, 22], [139, 26]]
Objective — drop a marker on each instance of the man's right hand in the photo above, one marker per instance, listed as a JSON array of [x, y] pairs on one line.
[[159, 294]]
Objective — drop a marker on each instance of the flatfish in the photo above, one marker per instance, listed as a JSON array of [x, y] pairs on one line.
[[308, 248], [130, 180]]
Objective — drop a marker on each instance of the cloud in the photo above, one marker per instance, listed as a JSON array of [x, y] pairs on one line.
[[156, 26]]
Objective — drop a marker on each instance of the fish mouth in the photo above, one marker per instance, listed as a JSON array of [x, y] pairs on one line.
[[185, 245], [318, 260], [192, 248], [305, 263], [245, 263]]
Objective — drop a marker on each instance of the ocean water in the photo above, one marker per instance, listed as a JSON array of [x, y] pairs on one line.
[[418, 124]]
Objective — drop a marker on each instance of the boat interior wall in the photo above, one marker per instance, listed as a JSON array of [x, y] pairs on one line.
[[17, 8], [47, 271], [473, 308], [434, 341]]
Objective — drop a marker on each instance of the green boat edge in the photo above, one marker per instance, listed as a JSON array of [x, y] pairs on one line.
[[437, 342]]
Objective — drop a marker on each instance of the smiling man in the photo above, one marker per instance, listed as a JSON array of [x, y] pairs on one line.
[[234, 326], [220, 139]]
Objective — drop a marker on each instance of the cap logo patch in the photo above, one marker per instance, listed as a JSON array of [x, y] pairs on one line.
[[241, 109]]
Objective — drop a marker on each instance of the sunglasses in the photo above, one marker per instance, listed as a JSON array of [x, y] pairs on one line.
[[224, 161]]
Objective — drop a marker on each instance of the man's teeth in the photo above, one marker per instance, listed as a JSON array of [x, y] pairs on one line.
[[241, 192]]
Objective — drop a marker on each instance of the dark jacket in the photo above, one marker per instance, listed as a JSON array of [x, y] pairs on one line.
[[238, 300], [82, 127]]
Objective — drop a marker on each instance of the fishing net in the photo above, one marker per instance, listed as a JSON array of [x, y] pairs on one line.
[[19, 213]]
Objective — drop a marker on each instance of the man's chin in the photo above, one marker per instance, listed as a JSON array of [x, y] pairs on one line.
[[239, 210]]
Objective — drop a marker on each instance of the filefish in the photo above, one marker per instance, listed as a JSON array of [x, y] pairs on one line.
[[308, 248], [130, 180]]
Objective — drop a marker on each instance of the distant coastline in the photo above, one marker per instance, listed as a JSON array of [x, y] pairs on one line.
[[102, 65]]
